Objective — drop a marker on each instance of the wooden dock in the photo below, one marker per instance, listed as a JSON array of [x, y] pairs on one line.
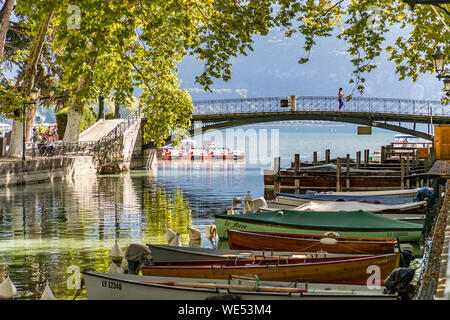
[[403, 168]]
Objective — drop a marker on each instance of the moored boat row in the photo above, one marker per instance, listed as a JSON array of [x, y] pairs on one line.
[[338, 244], [170, 153]]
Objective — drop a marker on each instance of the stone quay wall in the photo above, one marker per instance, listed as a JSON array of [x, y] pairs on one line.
[[37, 170]]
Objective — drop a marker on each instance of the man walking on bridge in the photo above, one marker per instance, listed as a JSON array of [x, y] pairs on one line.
[[340, 97]]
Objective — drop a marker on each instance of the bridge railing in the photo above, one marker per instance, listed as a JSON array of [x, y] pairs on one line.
[[326, 104]]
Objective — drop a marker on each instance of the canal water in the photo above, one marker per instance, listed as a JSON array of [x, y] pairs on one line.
[[50, 231]]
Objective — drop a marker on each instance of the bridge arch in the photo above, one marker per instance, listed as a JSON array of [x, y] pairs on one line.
[[241, 120]]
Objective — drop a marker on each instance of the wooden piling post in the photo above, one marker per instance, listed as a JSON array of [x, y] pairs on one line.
[[276, 178], [402, 172], [327, 156], [383, 154], [415, 165], [315, 158], [338, 174], [366, 157], [427, 164], [416, 158], [347, 173], [358, 159], [297, 162], [297, 169], [408, 171]]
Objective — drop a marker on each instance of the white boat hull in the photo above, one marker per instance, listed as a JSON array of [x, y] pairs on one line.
[[105, 286]]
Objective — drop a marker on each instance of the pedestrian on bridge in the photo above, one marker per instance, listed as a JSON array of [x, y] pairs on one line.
[[340, 97]]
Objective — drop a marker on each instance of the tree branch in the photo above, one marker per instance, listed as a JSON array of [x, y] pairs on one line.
[[19, 31], [138, 71], [439, 16]]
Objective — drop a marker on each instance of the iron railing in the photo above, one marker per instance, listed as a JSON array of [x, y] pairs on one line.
[[84, 148], [310, 103], [118, 131]]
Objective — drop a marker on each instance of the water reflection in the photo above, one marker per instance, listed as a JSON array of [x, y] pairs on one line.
[[46, 228]]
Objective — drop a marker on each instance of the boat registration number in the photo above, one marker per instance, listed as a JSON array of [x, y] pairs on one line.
[[396, 234], [111, 285]]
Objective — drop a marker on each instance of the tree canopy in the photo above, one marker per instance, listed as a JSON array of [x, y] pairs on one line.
[[119, 48]]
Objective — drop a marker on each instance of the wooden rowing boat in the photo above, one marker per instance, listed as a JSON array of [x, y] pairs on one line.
[[412, 218], [407, 193], [411, 212], [375, 199], [348, 270], [351, 224], [246, 240], [166, 253], [107, 286]]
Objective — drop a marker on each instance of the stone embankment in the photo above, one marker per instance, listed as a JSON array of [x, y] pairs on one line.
[[36, 170]]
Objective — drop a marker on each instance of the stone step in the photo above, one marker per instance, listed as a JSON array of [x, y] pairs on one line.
[[100, 130]]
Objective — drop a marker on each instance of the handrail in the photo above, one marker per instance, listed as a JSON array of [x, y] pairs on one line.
[[322, 103], [86, 148], [118, 130]]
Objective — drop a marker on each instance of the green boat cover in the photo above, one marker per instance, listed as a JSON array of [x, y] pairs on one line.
[[336, 220]]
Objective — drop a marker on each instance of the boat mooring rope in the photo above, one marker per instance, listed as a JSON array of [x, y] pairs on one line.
[[79, 290]]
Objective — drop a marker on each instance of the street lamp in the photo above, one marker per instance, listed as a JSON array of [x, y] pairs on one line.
[[447, 84], [439, 62], [34, 95]]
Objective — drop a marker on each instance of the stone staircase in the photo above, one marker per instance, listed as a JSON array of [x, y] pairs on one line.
[[99, 130]]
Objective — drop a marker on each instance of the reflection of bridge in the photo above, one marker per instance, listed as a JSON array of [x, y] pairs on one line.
[[377, 112]]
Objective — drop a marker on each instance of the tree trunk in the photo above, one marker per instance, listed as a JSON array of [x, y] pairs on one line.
[[101, 107], [15, 148], [74, 116], [30, 116], [76, 107], [5, 15], [116, 110]]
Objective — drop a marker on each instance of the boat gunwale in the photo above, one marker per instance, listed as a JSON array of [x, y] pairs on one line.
[[301, 236], [280, 264]]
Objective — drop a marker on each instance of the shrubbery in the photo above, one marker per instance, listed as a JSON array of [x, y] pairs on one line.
[[89, 118], [109, 115]]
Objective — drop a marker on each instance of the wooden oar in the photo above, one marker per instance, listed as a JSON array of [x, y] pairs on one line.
[[227, 286]]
